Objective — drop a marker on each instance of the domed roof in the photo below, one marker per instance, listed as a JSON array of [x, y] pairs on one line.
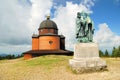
[[48, 24]]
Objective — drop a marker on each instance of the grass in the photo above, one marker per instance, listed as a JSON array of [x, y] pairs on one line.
[[46, 60], [53, 67]]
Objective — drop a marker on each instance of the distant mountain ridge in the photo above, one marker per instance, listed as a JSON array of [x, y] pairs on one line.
[[3, 54]]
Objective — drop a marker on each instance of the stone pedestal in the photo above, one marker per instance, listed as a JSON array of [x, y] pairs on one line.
[[86, 58]]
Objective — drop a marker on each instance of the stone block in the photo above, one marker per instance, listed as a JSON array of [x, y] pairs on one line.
[[86, 58]]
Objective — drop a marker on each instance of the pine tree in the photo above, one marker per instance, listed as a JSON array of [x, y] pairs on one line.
[[0, 57], [116, 52], [106, 53], [101, 54], [113, 52], [119, 51]]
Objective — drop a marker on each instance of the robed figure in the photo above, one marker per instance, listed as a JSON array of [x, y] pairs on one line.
[[84, 28]]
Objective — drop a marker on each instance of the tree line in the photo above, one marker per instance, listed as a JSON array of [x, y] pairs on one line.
[[115, 52], [10, 56]]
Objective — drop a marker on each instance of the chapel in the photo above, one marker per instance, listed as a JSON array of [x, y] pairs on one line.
[[47, 41]]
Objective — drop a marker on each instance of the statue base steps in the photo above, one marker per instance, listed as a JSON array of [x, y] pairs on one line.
[[86, 58]]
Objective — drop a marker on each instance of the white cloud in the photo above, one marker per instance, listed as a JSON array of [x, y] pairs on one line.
[[13, 23], [18, 20], [106, 38], [88, 3], [65, 18], [14, 28], [40, 8]]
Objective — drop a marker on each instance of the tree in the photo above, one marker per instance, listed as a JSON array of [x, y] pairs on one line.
[[113, 52], [106, 53], [1, 57], [101, 54], [10, 56], [116, 52], [119, 51]]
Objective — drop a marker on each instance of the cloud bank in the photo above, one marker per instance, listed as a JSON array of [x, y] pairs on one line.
[[20, 19], [106, 38], [39, 9], [14, 27], [14, 19]]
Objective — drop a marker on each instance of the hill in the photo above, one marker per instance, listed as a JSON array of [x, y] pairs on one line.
[[53, 67]]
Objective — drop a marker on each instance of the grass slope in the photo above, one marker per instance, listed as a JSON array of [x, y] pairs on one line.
[[53, 67]]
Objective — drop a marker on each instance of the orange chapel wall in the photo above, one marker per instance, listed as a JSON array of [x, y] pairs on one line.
[[35, 43], [49, 43], [27, 56]]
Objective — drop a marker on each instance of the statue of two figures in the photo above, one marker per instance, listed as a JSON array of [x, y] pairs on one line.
[[84, 28]]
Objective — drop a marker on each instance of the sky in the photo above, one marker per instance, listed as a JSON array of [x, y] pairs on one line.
[[19, 19]]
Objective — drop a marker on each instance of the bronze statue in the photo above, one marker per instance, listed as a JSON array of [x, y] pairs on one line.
[[84, 28]]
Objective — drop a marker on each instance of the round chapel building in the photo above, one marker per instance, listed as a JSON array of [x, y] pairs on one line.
[[47, 41]]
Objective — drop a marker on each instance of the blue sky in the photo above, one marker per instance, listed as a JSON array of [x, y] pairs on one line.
[[107, 11], [19, 19], [103, 11]]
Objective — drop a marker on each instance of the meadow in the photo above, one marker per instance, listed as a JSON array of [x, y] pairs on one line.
[[53, 67]]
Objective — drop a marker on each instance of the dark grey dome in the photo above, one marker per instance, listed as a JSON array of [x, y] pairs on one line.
[[48, 24]]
